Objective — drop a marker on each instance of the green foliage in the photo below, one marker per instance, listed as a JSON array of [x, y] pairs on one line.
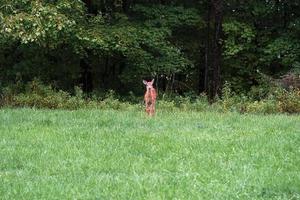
[[263, 106], [121, 42], [277, 101], [169, 17], [239, 38], [40, 96], [228, 97], [289, 101], [37, 23], [198, 105], [112, 102], [266, 85], [239, 57], [56, 24], [284, 50], [153, 53], [36, 94]]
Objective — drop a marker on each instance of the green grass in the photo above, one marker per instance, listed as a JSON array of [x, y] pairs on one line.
[[93, 154]]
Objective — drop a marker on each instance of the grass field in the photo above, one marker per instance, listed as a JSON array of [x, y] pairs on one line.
[[93, 154]]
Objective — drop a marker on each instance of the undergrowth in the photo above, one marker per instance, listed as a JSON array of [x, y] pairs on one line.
[[36, 94]]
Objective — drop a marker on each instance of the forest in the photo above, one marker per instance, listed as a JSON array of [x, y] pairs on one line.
[[190, 47]]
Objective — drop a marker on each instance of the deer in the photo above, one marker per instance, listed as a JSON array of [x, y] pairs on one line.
[[150, 97]]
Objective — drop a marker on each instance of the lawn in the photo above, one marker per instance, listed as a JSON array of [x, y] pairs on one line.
[[94, 154]]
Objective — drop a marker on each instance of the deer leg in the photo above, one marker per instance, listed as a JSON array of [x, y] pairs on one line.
[[152, 109], [148, 107], [147, 110], [153, 106]]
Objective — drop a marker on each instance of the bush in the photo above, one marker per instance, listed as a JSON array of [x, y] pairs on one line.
[[111, 101], [264, 107], [35, 94], [199, 104], [288, 101], [38, 95], [228, 101], [184, 103], [278, 101]]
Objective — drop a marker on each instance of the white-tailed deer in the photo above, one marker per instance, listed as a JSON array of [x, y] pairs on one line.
[[150, 97]]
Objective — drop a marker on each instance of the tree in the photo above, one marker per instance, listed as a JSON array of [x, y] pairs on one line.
[[101, 45], [217, 46]]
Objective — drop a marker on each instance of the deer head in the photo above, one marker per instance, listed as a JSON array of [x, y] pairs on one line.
[[149, 84]]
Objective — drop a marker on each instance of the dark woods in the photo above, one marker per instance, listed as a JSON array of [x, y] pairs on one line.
[[187, 46]]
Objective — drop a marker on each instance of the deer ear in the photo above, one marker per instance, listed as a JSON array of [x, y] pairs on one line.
[[152, 81], [145, 82]]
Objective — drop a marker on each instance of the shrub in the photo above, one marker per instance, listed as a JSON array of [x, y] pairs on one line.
[[288, 101], [263, 106], [184, 103], [36, 94], [39, 95], [277, 101], [228, 101], [201, 103], [7, 96]]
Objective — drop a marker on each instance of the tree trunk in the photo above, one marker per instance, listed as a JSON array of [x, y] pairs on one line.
[[86, 76], [126, 5], [217, 47], [285, 15], [90, 9], [207, 49], [105, 73]]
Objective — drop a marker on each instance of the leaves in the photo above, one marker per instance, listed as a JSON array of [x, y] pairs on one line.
[[238, 37], [285, 50], [41, 24], [133, 39]]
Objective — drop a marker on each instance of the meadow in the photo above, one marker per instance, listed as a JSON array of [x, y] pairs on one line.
[[110, 154]]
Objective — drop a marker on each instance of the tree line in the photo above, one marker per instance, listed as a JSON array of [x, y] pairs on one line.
[[188, 46]]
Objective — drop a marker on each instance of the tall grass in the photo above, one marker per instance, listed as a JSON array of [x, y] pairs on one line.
[[109, 154]]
